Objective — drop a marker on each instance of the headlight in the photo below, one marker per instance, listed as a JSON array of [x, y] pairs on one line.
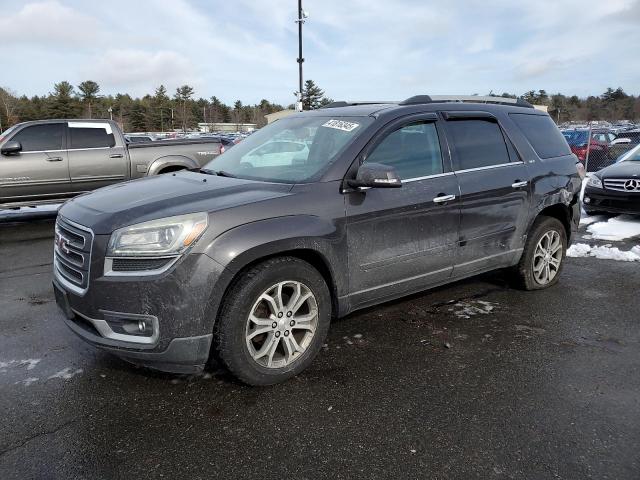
[[165, 236], [594, 182]]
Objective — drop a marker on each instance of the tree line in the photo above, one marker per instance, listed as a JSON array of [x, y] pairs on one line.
[[612, 105], [155, 112], [162, 111]]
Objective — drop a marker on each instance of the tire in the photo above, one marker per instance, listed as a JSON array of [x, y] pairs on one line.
[[528, 270], [287, 278]]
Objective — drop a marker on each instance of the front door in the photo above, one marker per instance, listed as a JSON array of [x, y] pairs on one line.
[[494, 192], [402, 240], [40, 171], [95, 160]]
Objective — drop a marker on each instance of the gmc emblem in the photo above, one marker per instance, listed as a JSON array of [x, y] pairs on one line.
[[62, 243]]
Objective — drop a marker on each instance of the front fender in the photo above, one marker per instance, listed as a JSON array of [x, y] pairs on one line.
[[240, 246], [161, 163]]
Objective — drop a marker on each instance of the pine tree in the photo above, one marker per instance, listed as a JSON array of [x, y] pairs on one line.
[[311, 96], [61, 101], [89, 93], [182, 96]]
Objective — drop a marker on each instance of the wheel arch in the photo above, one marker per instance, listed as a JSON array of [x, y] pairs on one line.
[[170, 163]]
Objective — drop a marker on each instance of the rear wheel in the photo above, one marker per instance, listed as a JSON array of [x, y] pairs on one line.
[[273, 321], [543, 255]]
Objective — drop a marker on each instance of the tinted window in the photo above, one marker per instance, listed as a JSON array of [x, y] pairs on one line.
[[90, 137], [478, 143], [40, 137], [544, 136], [413, 150]]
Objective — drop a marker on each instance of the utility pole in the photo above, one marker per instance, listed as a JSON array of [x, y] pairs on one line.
[[301, 19]]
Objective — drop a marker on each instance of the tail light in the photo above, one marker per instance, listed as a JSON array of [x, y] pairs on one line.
[[222, 149], [581, 170]]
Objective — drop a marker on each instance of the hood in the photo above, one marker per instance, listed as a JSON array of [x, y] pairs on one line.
[[621, 170], [109, 208]]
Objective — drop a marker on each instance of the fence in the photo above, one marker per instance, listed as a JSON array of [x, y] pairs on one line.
[[600, 144]]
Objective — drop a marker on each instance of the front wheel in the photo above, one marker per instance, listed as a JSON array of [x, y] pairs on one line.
[[543, 255], [273, 321]]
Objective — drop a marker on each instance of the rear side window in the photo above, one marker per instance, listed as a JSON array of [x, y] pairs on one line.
[[413, 150], [543, 135], [40, 137], [478, 143], [91, 135]]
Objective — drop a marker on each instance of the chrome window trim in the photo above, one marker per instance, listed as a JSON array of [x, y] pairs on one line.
[[42, 151], [427, 177], [109, 272], [488, 167]]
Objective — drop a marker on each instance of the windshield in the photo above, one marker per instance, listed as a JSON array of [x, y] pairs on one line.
[[575, 137], [631, 156], [290, 150]]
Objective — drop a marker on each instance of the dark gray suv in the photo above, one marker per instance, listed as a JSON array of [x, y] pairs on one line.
[[319, 214]]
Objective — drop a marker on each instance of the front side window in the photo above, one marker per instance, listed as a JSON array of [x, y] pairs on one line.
[[478, 143], [290, 150], [91, 135], [40, 137], [413, 150]]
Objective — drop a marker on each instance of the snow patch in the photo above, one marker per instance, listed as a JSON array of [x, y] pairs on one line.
[[472, 308], [28, 381], [29, 362], [66, 374], [615, 229], [604, 252]]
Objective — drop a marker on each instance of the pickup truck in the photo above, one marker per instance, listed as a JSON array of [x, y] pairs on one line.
[[49, 161]]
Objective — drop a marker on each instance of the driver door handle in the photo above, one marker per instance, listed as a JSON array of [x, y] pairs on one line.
[[116, 155], [444, 198], [519, 184], [54, 159]]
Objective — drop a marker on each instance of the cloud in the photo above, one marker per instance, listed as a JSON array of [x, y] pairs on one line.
[[48, 23], [125, 69]]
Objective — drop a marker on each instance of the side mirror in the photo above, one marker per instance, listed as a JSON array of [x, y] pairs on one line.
[[375, 175], [11, 148]]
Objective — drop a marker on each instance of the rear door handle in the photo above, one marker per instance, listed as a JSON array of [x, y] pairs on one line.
[[444, 198], [54, 159], [519, 184], [116, 155]]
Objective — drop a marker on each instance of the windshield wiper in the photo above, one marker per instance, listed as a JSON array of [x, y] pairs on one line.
[[219, 173]]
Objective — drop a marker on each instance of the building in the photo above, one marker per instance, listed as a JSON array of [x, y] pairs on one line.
[[226, 127]]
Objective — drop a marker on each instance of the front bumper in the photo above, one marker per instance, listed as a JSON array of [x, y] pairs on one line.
[[605, 200], [178, 308]]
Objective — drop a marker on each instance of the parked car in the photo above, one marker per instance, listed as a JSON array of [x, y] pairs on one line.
[[615, 189], [248, 262], [598, 147], [49, 161]]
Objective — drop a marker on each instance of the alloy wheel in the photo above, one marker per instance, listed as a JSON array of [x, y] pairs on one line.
[[547, 257]]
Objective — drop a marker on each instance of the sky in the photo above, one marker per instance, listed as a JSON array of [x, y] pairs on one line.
[[353, 49]]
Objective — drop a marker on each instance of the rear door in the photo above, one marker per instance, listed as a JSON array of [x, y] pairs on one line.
[[95, 158], [41, 170], [494, 189], [403, 239]]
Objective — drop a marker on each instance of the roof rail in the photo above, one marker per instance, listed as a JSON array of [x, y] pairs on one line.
[[351, 104], [419, 99]]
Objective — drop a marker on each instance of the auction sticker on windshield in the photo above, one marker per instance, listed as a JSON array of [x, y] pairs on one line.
[[341, 125]]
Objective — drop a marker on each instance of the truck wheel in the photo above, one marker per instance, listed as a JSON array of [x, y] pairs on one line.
[[543, 255], [273, 321]]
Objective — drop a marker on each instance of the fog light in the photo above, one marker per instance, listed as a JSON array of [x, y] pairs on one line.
[[142, 326], [587, 200]]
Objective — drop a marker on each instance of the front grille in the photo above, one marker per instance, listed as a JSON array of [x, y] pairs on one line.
[[139, 264], [629, 185], [72, 254]]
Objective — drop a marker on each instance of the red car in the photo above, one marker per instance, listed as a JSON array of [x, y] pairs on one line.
[[598, 148]]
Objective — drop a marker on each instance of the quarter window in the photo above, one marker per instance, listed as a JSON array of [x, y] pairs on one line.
[[478, 143], [88, 135], [40, 137], [413, 150]]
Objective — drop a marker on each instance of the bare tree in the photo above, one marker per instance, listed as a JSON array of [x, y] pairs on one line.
[[8, 102]]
